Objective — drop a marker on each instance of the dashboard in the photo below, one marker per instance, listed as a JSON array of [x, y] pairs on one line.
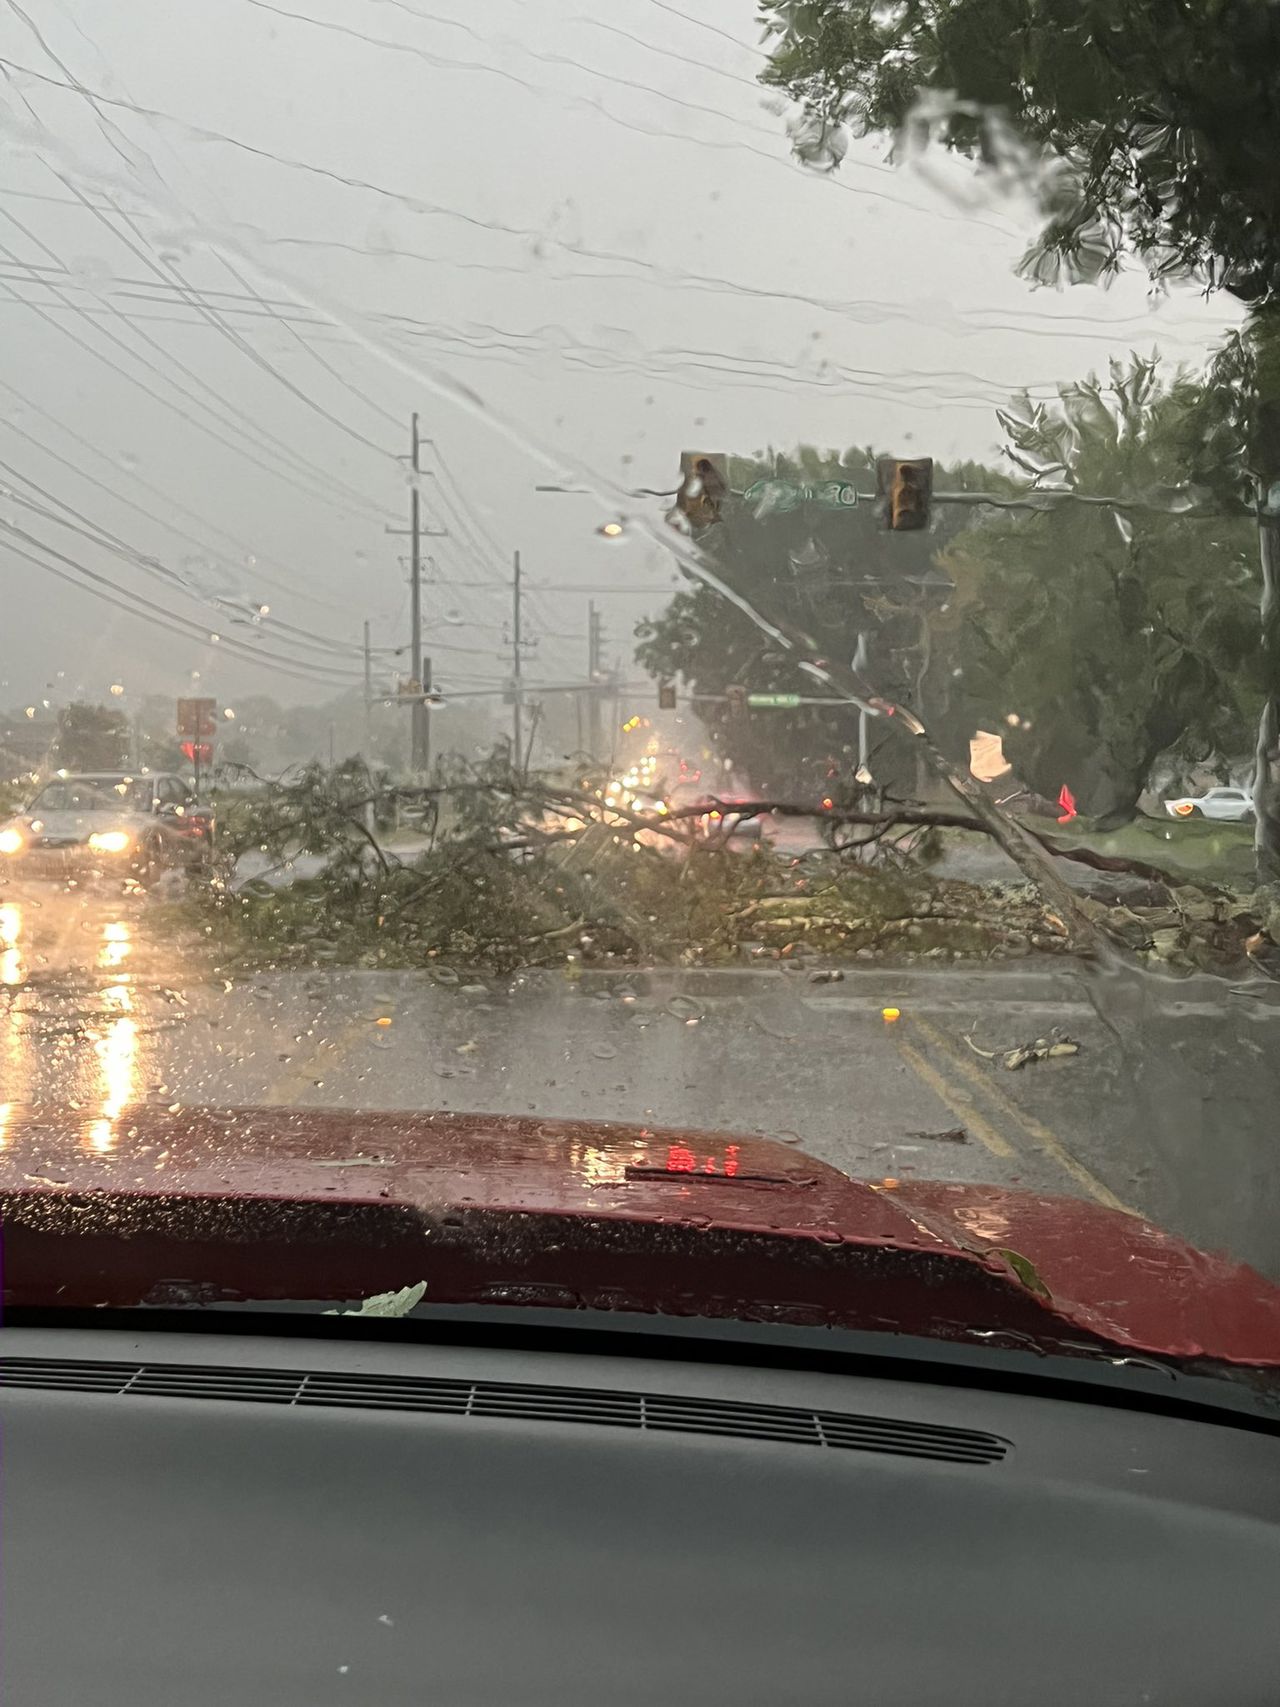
[[205, 1519]]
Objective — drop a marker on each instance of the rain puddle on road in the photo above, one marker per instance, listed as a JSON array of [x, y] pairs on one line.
[[81, 991]]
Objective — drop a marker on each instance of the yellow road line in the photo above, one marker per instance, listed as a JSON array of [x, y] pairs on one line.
[[302, 1075], [1039, 1133], [959, 1102]]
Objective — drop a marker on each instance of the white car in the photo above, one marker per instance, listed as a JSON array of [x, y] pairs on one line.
[[109, 823], [1229, 803]]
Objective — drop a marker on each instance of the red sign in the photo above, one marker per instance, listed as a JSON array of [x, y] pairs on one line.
[[198, 752]]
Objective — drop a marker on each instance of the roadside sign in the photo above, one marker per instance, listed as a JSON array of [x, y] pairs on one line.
[[775, 701], [198, 752], [772, 495], [196, 719]]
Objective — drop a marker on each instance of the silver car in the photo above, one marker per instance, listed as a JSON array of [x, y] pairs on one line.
[[107, 823]]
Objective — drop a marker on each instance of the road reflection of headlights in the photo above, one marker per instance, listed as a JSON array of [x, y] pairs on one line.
[[10, 841], [110, 841]]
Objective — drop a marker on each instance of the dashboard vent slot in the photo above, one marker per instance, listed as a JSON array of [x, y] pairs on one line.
[[603, 1407]]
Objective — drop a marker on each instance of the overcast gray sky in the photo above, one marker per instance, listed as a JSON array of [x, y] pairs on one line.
[[241, 241]]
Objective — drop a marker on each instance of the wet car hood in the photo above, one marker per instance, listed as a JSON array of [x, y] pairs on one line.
[[198, 1205]]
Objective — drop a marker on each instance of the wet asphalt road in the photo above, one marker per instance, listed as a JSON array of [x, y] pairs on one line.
[[1172, 1107]]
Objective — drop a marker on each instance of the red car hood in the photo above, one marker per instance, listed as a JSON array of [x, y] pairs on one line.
[[205, 1205]]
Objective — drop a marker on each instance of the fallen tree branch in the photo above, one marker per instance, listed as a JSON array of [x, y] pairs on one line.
[[879, 822]]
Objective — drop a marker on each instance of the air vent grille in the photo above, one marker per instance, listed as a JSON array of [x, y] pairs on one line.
[[602, 1407]]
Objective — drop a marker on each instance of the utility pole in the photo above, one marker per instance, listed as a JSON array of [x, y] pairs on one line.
[[419, 739], [595, 640], [517, 708], [368, 695]]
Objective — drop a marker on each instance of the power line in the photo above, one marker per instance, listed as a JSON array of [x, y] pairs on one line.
[[149, 486], [226, 608], [670, 53], [414, 203], [255, 356], [100, 586], [563, 97], [196, 421], [690, 18], [325, 479]]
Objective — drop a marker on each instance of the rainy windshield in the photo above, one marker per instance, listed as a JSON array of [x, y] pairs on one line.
[[713, 570]]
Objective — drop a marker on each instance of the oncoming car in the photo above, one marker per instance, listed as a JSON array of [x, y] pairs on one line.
[[108, 823], [1231, 804]]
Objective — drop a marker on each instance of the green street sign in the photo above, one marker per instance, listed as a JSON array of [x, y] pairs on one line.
[[776, 701], [784, 495]]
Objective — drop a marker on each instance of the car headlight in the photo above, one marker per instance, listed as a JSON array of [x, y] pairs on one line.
[[11, 841], [110, 841]]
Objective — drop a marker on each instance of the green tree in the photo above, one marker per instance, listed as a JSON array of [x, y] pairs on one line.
[[829, 575], [1111, 636], [1148, 127], [1160, 118], [91, 737]]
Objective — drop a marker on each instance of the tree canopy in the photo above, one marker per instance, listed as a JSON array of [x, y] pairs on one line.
[[91, 737], [1157, 122], [1110, 636]]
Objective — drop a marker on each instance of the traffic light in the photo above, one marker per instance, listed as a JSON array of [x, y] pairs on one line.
[[737, 698], [704, 483], [905, 487], [666, 696]]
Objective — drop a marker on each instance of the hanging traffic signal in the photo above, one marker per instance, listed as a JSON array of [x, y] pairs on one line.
[[704, 484], [666, 696], [737, 698], [905, 487]]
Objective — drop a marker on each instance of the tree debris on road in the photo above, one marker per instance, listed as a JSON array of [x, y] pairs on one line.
[[1047, 1048], [512, 871]]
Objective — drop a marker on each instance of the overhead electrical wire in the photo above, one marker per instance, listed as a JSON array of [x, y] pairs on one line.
[[240, 569], [225, 608], [328, 483], [416, 204], [141, 250], [909, 392], [102, 587], [228, 443], [300, 468], [188, 294], [253, 355]]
